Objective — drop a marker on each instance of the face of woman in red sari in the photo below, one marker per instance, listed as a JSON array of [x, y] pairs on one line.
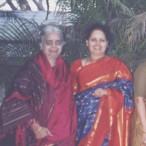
[[97, 44], [51, 45]]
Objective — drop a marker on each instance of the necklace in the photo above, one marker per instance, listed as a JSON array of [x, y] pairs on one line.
[[91, 60]]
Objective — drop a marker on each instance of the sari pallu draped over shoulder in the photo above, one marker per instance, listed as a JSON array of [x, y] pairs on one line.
[[102, 121], [44, 93]]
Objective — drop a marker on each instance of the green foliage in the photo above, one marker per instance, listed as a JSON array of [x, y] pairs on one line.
[[127, 20], [18, 42], [138, 6]]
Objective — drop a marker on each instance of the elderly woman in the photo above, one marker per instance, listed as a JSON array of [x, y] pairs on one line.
[[40, 108], [103, 91]]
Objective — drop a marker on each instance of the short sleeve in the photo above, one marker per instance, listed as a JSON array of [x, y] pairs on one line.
[[140, 80]]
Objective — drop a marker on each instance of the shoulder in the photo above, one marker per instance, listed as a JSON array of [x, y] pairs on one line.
[[141, 69], [76, 63], [119, 64], [142, 66], [28, 67], [116, 60], [29, 64]]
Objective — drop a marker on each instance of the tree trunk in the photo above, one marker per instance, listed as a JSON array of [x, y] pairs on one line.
[[24, 5], [3, 4], [39, 5], [11, 5]]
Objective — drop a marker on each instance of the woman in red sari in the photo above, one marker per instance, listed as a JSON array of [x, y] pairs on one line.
[[103, 89], [40, 108]]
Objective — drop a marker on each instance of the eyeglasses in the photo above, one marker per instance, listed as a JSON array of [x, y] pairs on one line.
[[57, 42]]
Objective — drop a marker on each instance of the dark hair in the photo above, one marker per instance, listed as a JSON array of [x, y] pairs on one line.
[[98, 26]]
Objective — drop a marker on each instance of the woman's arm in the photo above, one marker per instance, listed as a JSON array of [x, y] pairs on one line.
[[140, 94], [140, 106], [141, 111], [120, 88]]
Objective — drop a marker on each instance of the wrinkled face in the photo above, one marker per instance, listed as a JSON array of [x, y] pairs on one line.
[[51, 45], [97, 43]]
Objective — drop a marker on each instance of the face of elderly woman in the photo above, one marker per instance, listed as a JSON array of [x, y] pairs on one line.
[[51, 45]]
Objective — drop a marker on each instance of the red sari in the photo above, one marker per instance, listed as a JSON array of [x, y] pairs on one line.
[[45, 92], [111, 113]]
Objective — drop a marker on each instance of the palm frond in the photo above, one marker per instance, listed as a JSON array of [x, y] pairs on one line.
[[136, 28], [18, 37], [125, 10], [19, 41]]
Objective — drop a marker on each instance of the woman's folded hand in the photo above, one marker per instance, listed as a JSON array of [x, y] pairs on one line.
[[42, 132], [100, 92]]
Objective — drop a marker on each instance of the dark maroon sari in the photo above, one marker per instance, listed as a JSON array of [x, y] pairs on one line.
[[42, 92]]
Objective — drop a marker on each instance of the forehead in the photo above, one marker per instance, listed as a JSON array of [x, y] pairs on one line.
[[97, 32], [51, 36]]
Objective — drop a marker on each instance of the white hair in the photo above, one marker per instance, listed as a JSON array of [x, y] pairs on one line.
[[51, 28]]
